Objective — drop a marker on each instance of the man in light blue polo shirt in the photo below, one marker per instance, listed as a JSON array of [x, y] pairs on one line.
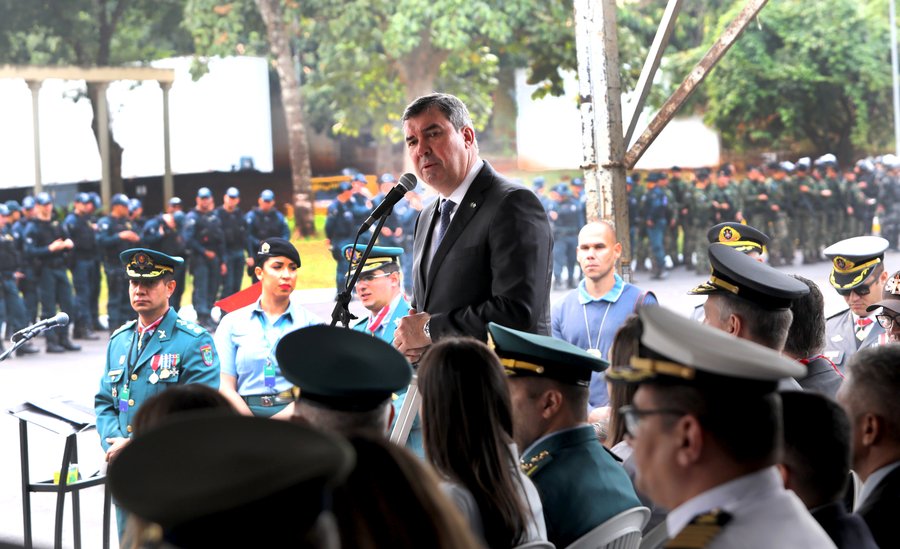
[[589, 316]]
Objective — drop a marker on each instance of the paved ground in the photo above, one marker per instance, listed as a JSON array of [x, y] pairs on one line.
[[76, 376]]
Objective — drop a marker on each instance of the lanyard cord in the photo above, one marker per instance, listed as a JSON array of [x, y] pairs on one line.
[[587, 327]]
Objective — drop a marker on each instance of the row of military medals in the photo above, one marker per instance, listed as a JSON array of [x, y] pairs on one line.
[[167, 362]]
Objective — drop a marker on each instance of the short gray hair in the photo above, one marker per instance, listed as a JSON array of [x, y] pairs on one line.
[[451, 106], [764, 326], [374, 421], [873, 382]]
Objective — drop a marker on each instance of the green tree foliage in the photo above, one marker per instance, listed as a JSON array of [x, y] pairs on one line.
[[91, 33], [816, 72]]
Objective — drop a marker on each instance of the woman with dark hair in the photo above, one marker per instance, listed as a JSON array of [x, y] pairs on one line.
[[467, 431], [246, 338], [624, 346], [391, 499], [178, 400]]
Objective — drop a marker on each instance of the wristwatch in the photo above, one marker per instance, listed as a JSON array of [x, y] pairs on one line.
[[427, 329]]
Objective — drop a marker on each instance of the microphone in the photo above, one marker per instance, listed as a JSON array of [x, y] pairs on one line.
[[407, 183], [61, 319]]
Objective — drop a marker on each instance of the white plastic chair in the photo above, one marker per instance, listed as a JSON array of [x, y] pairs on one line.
[[536, 545], [622, 531]]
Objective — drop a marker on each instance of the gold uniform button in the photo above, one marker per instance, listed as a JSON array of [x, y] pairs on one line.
[[133, 377], [129, 429], [131, 402]]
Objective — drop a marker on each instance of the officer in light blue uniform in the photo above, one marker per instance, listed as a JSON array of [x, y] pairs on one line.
[[151, 353], [380, 289]]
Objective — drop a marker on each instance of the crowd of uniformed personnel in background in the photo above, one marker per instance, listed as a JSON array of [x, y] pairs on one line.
[[352, 206], [804, 206], [42, 243]]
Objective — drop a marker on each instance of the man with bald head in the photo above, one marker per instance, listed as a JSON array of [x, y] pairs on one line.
[[589, 316]]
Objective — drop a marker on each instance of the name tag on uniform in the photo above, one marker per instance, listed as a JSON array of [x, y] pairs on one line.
[[837, 338], [114, 373]]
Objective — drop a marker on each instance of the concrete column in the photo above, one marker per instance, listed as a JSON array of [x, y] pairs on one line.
[[35, 87]]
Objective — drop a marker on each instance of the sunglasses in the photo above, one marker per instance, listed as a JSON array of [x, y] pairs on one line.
[[862, 290]]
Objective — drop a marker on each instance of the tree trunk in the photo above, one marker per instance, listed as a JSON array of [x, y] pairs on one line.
[[292, 102], [115, 150], [418, 71]]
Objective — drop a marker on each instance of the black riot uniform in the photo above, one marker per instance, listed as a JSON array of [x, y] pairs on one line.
[[82, 231], [203, 233], [52, 275], [234, 228]]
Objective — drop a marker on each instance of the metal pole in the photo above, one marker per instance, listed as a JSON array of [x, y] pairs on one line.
[[690, 83], [168, 183], [603, 147], [651, 64], [894, 76], [35, 87]]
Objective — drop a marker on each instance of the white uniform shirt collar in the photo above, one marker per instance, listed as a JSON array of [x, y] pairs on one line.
[[724, 497], [459, 193], [874, 479]]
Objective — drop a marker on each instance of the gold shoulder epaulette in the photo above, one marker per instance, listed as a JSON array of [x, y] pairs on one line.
[[530, 466], [700, 532]]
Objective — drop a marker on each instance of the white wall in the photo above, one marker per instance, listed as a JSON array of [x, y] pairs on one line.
[[549, 134], [213, 123]]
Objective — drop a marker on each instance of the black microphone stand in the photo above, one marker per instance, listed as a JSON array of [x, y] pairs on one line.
[[341, 312], [26, 336]]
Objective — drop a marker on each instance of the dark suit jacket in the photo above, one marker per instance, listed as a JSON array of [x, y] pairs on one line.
[[493, 264], [845, 530], [821, 377], [881, 509]]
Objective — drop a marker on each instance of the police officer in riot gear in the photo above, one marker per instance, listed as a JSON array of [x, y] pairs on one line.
[[49, 246], [206, 240], [236, 234], [81, 229], [115, 234]]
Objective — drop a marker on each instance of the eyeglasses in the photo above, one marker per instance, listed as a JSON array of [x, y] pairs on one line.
[[633, 416], [371, 277], [887, 321], [859, 290]]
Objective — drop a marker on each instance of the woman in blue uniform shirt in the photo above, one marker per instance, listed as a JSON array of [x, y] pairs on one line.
[[246, 338]]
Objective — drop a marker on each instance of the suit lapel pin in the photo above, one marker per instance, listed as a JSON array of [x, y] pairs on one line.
[[473, 205]]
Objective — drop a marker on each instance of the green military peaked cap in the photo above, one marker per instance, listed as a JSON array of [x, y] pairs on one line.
[[227, 467], [525, 354], [342, 369], [147, 264], [379, 257]]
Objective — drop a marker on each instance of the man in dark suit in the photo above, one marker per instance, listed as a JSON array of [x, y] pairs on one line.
[[858, 274], [806, 339], [482, 250], [869, 396], [816, 465]]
